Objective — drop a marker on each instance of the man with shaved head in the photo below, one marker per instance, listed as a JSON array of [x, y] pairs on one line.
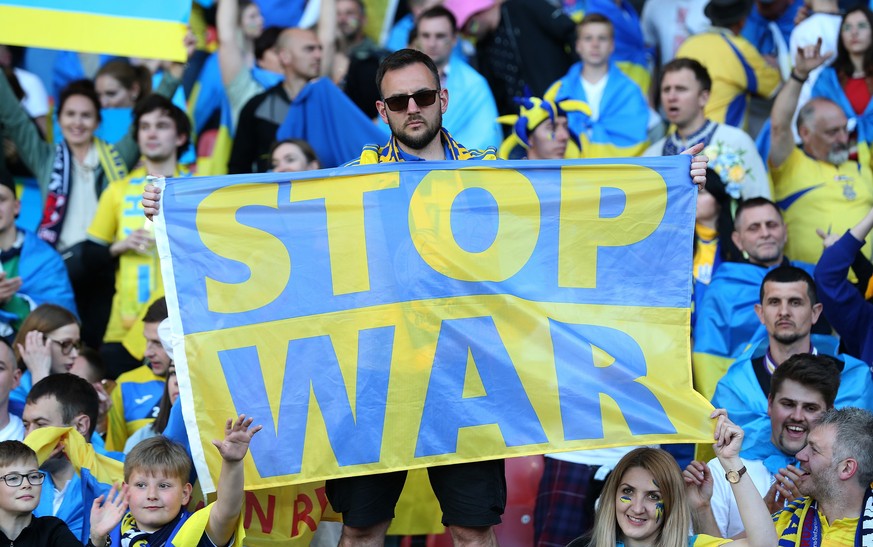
[[819, 186], [300, 56]]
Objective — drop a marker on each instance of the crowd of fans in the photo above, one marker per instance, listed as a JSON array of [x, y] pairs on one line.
[[778, 91]]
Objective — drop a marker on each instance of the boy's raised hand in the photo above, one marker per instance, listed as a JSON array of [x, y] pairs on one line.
[[237, 435], [106, 512]]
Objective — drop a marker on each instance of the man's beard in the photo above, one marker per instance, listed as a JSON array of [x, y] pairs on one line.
[[838, 155], [821, 488], [417, 142], [788, 337]]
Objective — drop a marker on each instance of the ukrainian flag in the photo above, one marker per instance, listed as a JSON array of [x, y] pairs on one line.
[[153, 29]]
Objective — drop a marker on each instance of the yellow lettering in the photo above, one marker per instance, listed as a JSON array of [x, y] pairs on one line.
[[582, 230], [518, 228], [346, 235], [250, 246]]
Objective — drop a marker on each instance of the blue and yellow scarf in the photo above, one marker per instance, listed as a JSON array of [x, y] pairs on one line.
[[55, 207]]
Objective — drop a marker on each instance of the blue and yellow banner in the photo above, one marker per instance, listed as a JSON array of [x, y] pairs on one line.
[[397, 316], [153, 29]]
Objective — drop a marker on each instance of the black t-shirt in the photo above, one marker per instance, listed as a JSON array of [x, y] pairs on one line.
[[43, 532]]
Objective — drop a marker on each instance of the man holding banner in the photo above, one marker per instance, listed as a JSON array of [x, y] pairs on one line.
[[472, 495]]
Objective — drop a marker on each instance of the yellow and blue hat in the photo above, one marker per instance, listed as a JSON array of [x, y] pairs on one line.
[[534, 111]]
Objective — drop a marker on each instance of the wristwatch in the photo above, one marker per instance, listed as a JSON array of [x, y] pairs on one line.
[[733, 477]]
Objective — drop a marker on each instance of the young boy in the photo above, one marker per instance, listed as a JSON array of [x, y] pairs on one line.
[[157, 490], [20, 487]]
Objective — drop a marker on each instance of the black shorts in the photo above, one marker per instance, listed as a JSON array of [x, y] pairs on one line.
[[470, 494]]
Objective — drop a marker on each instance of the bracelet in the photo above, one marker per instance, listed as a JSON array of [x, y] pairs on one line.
[[797, 78]]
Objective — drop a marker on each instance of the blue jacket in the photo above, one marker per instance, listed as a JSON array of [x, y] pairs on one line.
[[845, 308], [325, 117], [44, 277], [726, 321], [472, 113], [757, 29]]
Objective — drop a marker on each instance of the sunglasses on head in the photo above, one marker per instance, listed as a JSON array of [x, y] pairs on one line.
[[399, 103]]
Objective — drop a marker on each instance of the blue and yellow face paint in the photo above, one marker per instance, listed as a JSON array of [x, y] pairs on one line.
[[625, 500], [659, 511]]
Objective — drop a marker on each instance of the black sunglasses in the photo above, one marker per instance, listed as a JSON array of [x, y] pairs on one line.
[[399, 103]]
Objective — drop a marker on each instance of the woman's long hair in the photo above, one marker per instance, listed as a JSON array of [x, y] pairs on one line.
[[677, 517], [843, 63]]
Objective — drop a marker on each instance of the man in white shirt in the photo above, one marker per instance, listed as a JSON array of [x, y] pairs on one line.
[[617, 124], [64, 400], [471, 119], [801, 390]]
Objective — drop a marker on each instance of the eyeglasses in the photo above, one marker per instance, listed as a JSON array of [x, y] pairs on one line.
[[67, 345], [399, 103], [35, 478]]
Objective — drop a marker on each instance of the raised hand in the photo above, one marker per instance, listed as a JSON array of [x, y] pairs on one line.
[[237, 436], [698, 485], [827, 238], [106, 512], [728, 436], [809, 58], [36, 352]]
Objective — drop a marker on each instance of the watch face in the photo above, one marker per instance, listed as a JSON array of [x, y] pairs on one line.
[[732, 477]]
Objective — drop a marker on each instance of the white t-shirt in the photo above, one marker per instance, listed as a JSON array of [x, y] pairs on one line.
[[14, 430], [594, 94], [723, 503], [81, 202]]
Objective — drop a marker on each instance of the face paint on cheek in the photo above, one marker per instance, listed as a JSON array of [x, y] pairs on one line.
[[625, 499], [659, 511]]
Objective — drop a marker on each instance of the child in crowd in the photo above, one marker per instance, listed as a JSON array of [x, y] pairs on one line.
[[20, 488], [157, 490]]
